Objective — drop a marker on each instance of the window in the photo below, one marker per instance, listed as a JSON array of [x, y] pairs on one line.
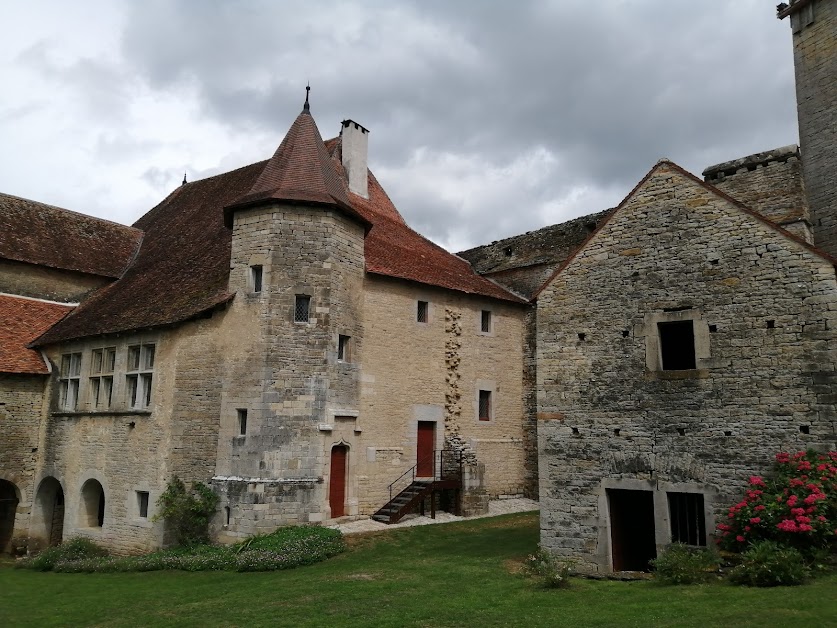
[[242, 422], [101, 380], [688, 524], [140, 375], [301, 308], [142, 503], [343, 348], [485, 405], [256, 274], [677, 345], [485, 321], [69, 379], [421, 312]]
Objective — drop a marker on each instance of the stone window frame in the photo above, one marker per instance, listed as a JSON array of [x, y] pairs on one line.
[[143, 502], [102, 369], [485, 315], [490, 387], [139, 375], [344, 348], [69, 380], [422, 310], [298, 298], [653, 350], [241, 416], [256, 278]]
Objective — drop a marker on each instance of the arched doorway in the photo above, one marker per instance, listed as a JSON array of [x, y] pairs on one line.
[[48, 519], [337, 480], [9, 499], [92, 511]]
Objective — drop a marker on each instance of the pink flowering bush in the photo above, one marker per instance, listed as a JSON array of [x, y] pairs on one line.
[[797, 507]]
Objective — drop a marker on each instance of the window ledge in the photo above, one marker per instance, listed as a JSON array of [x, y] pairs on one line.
[[102, 413], [674, 375]]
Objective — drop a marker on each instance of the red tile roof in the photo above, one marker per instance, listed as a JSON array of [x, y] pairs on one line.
[[183, 265], [21, 321], [58, 238]]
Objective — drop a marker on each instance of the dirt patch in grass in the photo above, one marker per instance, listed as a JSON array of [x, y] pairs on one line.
[[514, 565]]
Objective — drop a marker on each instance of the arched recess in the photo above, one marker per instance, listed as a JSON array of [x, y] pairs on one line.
[[338, 480], [9, 499], [48, 515], [92, 511]]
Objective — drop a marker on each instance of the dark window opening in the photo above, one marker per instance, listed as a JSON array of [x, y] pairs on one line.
[[242, 422], [625, 333], [677, 345], [485, 405], [771, 324], [227, 515], [302, 306], [421, 312], [508, 251], [142, 503], [256, 275], [582, 336], [485, 321], [688, 524], [343, 348], [805, 429]]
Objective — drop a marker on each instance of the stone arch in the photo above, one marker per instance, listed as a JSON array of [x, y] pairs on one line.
[[91, 513], [9, 499], [48, 512]]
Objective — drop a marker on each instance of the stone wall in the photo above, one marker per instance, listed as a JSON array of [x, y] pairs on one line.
[[21, 417], [763, 309], [40, 282], [815, 59]]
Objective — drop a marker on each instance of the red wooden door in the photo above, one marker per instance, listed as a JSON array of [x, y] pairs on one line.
[[337, 481], [426, 439]]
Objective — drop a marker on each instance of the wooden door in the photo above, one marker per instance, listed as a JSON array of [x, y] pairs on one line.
[[425, 442], [337, 481]]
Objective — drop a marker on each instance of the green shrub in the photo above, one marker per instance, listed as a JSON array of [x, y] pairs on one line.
[[681, 564], [187, 511], [552, 571], [75, 549], [769, 564]]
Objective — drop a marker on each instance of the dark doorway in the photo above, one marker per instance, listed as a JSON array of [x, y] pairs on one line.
[[425, 441], [632, 540], [8, 509], [337, 481], [49, 511]]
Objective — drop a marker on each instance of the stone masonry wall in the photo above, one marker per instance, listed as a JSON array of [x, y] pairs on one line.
[[815, 61], [286, 374], [764, 312], [432, 371], [21, 417], [40, 282]]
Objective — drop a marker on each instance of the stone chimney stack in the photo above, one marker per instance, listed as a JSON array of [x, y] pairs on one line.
[[355, 156]]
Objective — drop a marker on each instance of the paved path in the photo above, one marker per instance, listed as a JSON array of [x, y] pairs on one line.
[[496, 507]]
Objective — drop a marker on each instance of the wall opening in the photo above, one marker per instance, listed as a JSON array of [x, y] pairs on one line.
[[142, 504], [677, 345], [337, 480], [688, 524], [425, 446], [48, 520], [9, 500], [92, 511], [632, 541]]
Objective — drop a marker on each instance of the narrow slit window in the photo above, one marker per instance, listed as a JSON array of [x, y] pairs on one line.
[[256, 274], [242, 422], [485, 321], [485, 405], [421, 312], [677, 345], [688, 524], [142, 504], [343, 348], [302, 306]]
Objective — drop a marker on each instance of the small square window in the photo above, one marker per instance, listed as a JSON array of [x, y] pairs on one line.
[[485, 321], [142, 503], [256, 274], [421, 312], [302, 305], [242, 421], [343, 348], [485, 405], [677, 345]]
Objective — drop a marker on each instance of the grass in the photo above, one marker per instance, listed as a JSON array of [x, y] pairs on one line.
[[460, 574]]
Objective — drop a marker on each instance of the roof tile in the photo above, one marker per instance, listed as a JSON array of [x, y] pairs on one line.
[[21, 321]]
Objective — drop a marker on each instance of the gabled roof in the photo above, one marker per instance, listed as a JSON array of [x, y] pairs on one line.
[[665, 163], [182, 268], [41, 234], [21, 321], [300, 171]]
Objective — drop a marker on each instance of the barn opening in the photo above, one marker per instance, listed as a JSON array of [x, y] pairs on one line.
[[632, 539]]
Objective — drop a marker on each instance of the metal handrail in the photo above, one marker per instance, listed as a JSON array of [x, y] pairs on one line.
[[438, 469]]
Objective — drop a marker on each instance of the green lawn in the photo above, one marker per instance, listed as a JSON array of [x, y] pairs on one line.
[[462, 574]]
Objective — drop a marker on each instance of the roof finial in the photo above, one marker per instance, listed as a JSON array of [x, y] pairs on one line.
[[305, 107], [184, 178]]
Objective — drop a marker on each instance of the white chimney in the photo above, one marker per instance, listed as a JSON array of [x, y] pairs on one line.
[[355, 156]]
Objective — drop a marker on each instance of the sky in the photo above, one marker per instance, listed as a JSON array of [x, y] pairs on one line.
[[487, 119]]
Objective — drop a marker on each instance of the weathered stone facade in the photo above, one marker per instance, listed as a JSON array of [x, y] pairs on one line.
[[763, 310]]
